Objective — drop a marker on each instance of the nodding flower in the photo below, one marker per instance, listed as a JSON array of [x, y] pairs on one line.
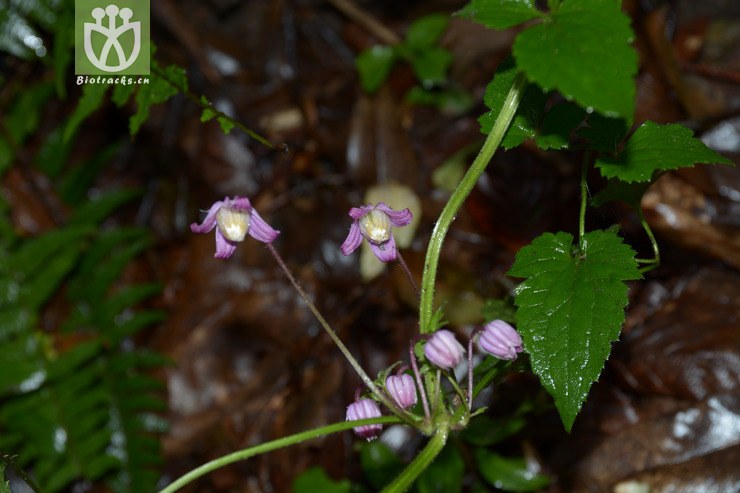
[[443, 350], [402, 390], [501, 340], [234, 219], [363, 409], [375, 223]]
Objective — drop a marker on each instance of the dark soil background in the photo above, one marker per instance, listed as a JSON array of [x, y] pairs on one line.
[[250, 362]]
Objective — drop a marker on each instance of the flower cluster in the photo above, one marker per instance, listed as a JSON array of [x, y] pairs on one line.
[[235, 219], [442, 350]]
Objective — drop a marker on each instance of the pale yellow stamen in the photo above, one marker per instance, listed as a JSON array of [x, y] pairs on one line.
[[376, 226], [232, 223]]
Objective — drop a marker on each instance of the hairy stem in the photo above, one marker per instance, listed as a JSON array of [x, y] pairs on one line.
[[426, 305], [269, 446]]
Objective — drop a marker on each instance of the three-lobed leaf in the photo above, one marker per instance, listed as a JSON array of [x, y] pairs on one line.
[[571, 309], [655, 147]]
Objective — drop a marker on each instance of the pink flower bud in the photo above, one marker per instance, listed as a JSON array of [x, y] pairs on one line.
[[364, 409], [443, 350], [501, 340], [402, 390]]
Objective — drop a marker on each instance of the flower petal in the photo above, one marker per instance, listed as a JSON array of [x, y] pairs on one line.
[[386, 252], [239, 203], [354, 238], [259, 229], [398, 218], [224, 247], [209, 222], [358, 213]]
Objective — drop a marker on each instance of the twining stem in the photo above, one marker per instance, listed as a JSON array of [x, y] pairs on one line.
[[269, 446], [584, 198], [352, 361], [426, 304], [655, 261], [217, 113], [435, 445]]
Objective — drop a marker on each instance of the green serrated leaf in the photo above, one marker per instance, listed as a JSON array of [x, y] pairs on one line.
[[91, 100], [315, 479], [571, 309], [508, 474], [584, 52], [374, 66], [528, 114], [654, 148], [500, 14], [557, 125], [159, 89]]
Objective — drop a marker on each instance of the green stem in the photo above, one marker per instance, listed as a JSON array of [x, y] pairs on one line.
[[584, 197], [407, 477], [269, 446], [426, 305]]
